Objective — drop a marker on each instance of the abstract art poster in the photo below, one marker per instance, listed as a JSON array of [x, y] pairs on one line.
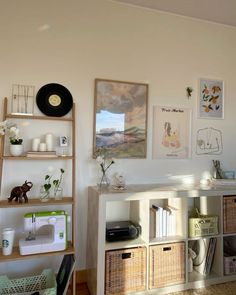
[[171, 132], [211, 99]]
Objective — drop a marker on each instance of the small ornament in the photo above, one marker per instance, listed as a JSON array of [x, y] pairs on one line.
[[189, 91], [119, 182], [19, 192]]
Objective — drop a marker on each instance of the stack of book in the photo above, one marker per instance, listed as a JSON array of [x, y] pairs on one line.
[[162, 221], [41, 154], [207, 248]]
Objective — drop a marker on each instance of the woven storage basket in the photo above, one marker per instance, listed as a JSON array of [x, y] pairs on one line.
[[125, 271], [45, 283], [229, 208], [167, 265]]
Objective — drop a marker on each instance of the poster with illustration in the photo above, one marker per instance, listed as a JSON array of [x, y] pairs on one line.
[[211, 100], [171, 132], [209, 141]]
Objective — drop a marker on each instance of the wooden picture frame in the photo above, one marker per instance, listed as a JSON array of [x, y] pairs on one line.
[[211, 99], [120, 118]]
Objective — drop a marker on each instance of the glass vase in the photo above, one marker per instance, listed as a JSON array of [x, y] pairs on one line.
[[103, 181], [44, 194], [58, 193]]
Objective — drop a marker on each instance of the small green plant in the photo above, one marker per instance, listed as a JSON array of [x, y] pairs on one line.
[[47, 185], [57, 182]]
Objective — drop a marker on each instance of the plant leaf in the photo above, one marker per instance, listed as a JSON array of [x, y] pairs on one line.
[[47, 186], [55, 182]]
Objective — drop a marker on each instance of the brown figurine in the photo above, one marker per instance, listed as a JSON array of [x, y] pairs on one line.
[[19, 192]]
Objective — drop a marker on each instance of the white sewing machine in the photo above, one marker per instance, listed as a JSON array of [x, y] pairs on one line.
[[47, 232]]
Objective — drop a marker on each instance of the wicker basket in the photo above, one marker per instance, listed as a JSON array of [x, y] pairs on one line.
[[125, 271], [229, 209], [167, 265], [45, 283]]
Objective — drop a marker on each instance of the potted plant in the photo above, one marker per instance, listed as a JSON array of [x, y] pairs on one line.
[[57, 186], [45, 189], [16, 142]]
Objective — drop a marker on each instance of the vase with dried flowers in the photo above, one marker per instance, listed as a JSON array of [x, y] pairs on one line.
[[104, 162]]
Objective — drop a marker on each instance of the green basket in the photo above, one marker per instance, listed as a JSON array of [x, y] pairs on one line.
[[45, 284], [200, 225]]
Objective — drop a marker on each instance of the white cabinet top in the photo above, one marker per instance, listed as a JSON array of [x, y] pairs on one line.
[[162, 191]]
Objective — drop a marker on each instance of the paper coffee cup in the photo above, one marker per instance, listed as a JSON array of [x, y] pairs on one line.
[[7, 240]]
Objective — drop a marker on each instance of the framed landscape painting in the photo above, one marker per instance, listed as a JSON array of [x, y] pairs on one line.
[[211, 99], [120, 118]]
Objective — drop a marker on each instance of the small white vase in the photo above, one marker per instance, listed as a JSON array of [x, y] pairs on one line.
[[16, 149]]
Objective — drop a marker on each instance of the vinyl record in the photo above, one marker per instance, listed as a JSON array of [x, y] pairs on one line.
[[54, 100]]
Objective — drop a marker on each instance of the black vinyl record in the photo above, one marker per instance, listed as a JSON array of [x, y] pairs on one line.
[[54, 100]]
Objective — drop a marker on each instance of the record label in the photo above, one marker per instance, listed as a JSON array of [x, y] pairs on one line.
[[54, 100]]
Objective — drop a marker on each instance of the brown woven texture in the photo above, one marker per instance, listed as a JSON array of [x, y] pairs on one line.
[[125, 271], [229, 210], [167, 265]]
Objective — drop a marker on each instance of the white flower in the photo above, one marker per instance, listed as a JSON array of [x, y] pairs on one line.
[[3, 127], [14, 131], [100, 160]]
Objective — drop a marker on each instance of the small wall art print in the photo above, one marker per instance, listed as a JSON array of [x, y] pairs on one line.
[[211, 99], [120, 118], [209, 141], [171, 132]]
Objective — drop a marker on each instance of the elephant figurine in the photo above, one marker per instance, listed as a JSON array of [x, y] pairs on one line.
[[19, 192]]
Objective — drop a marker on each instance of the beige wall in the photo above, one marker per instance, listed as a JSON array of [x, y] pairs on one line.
[[73, 42]]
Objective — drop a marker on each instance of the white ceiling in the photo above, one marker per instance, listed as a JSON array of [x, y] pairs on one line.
[[219, 11]]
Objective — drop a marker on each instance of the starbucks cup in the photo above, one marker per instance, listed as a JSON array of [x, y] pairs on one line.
[[7, 240]]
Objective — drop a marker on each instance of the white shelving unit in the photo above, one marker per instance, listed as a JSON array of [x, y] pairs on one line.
[[133, 204], [35, 201]]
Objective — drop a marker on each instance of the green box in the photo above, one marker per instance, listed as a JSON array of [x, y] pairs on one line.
[[204, 225], [45, 283]]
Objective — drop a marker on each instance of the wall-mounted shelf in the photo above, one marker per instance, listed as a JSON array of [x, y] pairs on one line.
[[36, 202], [24, 158], [4, 204], [33, 117], [16, 255]]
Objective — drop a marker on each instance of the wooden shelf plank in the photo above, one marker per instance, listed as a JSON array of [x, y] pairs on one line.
[[37, 158], [34, 117], [16, 254], [36, 202]]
